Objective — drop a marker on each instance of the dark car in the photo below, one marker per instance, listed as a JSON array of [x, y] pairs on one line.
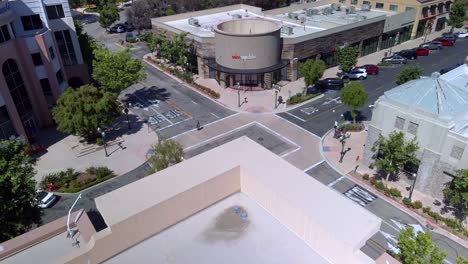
[[119, 28], [370, 68], [330, 83], [445, 42], [422, 51], [395, 59], [433, 45], [450, 36], [129, 27], [409, 54]]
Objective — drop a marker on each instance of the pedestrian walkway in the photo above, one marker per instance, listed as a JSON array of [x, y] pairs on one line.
[[71, 153], [331, 149]]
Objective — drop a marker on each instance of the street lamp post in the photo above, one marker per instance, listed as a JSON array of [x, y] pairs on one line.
[[238, 95], [276, 98], [412, 186], [126, 113], [103, 134], [343, 142]]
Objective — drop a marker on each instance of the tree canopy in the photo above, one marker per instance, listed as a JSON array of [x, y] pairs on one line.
[[395, 152], [409, 73], [115, 72], [166, 153], [108, 14], [418, 248], [141, 12], [355, 96], [347, 58], [81, 111], [17, 190], [312, 71], [87, 43], [457, 13], [456, 193]]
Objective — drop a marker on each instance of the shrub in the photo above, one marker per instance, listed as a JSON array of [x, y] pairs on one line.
[[452, 223], [384, 63], [426, 210], [99, 141], [437, 217], [357, 127], [407, 202], [131, 40], [102, 172], [380, 186], [365, 177], [393, 192], [417, 205], [59, 179], [372, 181], [128, 45], [298, 98]]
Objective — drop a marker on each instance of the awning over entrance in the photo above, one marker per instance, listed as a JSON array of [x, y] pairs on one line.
[[215, 66]]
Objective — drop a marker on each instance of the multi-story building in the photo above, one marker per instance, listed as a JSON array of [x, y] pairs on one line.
[[428, 12], [39, 58], [434, 110]]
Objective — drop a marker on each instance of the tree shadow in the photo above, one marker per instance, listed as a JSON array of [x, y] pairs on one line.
[[96, 219], [359, 118], [147, 96], [121, 127]]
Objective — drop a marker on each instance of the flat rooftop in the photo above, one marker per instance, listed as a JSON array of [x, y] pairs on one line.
[[321, 20], [218, 234], [45, 251]]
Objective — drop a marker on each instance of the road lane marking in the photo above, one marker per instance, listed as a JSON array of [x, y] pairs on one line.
[[215, 115], [277, 134], [178, 108], [295, 116], [216, 121], [290, 152], [313, 166]]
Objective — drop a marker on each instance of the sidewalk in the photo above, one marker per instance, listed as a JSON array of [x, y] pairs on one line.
[[331, 149], [376, 57], [70, 153]]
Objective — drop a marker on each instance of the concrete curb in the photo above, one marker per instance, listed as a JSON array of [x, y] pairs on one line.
[[422, 220]]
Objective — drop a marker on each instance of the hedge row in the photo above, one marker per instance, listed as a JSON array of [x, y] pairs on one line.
[[298, 98]]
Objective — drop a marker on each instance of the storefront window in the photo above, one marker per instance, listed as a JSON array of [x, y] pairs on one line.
[[369, 46]]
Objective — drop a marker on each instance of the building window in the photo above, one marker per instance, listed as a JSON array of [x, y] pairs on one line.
[[31, 22], [6, 127], [366, 3], [457, 152], [379, 5], [409, 9], [4, 34], [393, 7], [354, 2], [47, 91], [36, 58], [413, 128], [52, 53], [342, 1], [59, 76], [16, 86], [55, 11], [65, 47], [399, 123]]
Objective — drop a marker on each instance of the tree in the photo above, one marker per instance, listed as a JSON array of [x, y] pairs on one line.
[[116, 72], [169, 12], [87, 43], [81, 111], [108, 15], [457, 192], [418, 248], [347, 58], [409, 73], [312, 71], [166, 153], [355, 96], [461, 260], [395, 152], [141, 12], [457, 14], [17, 189]]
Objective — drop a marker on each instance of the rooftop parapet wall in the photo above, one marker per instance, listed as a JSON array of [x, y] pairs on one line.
[[293, 8]]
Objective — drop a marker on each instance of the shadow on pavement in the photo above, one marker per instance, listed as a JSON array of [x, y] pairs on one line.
[[96, 218]]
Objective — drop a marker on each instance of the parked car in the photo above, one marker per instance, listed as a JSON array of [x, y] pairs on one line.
[[445, 42], [44, 199], [119, 28], [433, 45], [330, 83], [129, 27], [422, 51], [356, 73], [408, 54], [370, 68], [395, 59], [450, 36], [461, 34]]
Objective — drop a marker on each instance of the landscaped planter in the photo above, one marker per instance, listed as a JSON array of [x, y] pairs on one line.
[[71, 181]]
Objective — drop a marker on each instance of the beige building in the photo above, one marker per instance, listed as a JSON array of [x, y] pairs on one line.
[[434, 11], [248, 206]]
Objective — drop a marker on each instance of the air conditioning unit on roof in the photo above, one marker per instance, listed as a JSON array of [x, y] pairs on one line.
[[312, 11], [336, 7], [236, 16], [194, 22], [327, 11], [366, 7], [293, 15], [288, 30]]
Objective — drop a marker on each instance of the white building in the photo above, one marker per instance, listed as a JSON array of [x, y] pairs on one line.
[[435, 111]]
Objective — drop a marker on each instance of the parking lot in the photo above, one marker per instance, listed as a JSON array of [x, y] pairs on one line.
[[319, 116]]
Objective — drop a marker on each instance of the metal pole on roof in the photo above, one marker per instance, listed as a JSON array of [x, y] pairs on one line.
[[70, 233]]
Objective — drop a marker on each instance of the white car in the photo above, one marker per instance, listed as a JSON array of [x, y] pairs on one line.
[[45, 199], [356, 73], [461, 34]]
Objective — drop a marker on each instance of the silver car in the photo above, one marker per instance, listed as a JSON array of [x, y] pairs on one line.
[[395, 59], [433, 45]]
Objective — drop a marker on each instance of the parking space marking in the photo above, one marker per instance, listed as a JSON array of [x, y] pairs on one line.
[[295, 116], [335, 181], [215, 115], [309, 110], [153, 108], [315, 165], [290, 152]]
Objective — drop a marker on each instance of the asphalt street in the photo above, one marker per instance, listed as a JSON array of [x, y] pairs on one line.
[[393, 219], [319, 116]]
